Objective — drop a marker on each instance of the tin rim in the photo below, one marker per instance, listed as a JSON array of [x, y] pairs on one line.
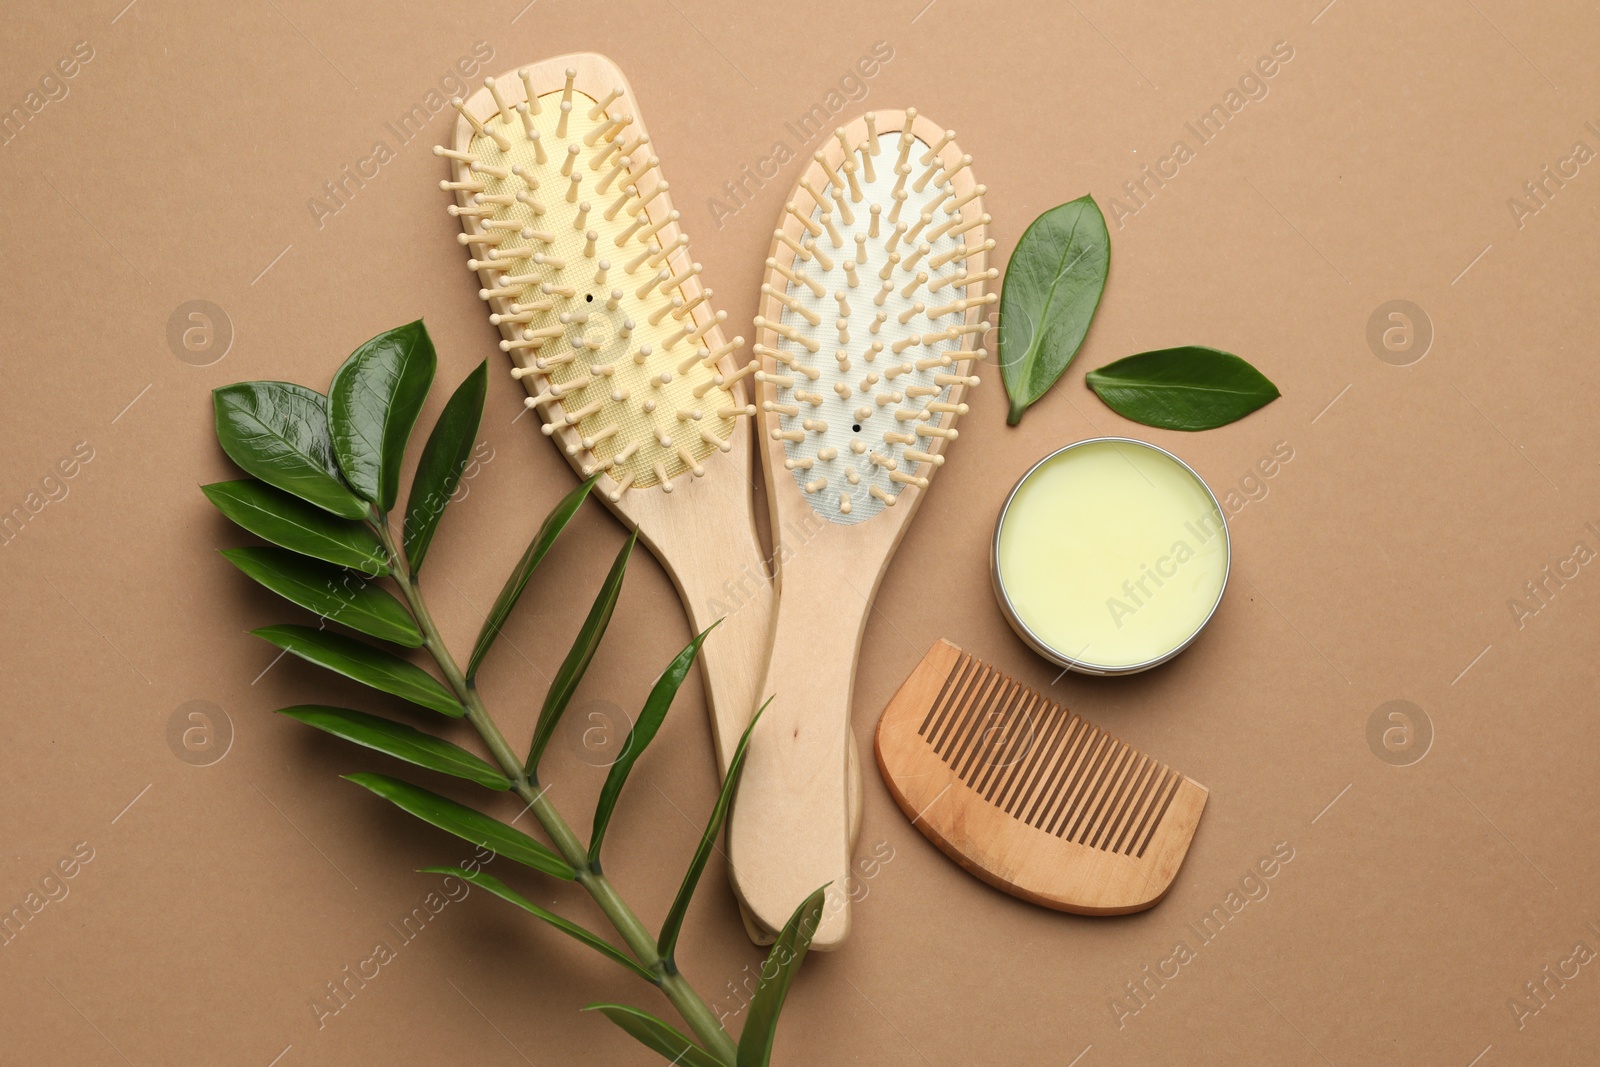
[[1044, 648]]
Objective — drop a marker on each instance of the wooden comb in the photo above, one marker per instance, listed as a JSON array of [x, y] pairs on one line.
[[1028, 796]]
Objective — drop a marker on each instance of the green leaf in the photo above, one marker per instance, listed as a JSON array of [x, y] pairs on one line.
[[275, 516], [334, 593], [1052, 287], [583, 649], [444, 457], [639, 738], [667, 943], [566, 926], [279, 433], [400, 741], [369, 666], [788, 952], [372, 404], [466, 823], [1189, 388], [549, 530], [657, 1036]]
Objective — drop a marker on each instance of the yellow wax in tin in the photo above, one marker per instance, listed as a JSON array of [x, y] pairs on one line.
[[1112, 554]]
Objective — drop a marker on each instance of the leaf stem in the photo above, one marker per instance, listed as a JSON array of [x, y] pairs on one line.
[[638, 938]]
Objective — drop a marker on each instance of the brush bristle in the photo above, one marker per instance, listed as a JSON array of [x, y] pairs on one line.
[[568, 223], [879, 289]]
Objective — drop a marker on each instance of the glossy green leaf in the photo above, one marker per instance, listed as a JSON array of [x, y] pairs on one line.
[[373, 403], [444, 457], [549, 530], [1189, 388], [667, 943], [566, 926], [565, 683], [279, 433], [788, 952], [336, 594], [1052, 287], [275, 516], [657, 1036], [639, 738], [466, 823], [363, 663], [400, 741]]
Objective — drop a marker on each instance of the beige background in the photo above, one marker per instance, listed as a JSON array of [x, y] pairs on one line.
[[1378, 565]]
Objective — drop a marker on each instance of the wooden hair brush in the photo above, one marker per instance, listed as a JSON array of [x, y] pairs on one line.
[[870, 319], [573, 236], [1029, 797]]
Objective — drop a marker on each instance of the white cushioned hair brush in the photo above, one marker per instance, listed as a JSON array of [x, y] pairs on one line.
[[871, 318], [571, 231]]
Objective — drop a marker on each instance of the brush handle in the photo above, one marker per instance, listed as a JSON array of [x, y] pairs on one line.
[[720, 572], [791, 828]]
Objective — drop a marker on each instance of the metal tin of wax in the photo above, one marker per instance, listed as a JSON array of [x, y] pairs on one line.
[[1083, 660]]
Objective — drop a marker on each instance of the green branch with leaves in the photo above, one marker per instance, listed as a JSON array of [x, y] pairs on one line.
[[325, 479]]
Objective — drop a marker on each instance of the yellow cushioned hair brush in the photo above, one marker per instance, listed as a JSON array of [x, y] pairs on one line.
[[871, 317], [572, 233]]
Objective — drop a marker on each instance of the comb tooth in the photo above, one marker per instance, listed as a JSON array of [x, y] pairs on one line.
[[601, 105], [1051, 776], [628, 193], [804, 220], [991, 685], [450, 153], [956, 203], [654, 228], [972, 224], [928, 156], [1055, 728], [849, 169], [661, 255], [932, 721], [607, 130], [624, 161], [1061, 741], [834, 181], [1081, 783], [1057, 786], [639, 222], [482, 130], [650, 164], [566, 164], [1079, 818], [526, 74], [1149, 799], [961, 165], [799, 250], [1116, 825], [872, 131], [566, 113], [973, 747], [1001, 748], [960, 705], [1100, 805], [1170, 791], [723, 349], [1021, 730], [500, 104]]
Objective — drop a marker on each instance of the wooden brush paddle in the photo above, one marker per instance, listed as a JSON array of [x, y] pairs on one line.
[[871, 313], [585, 270], [1028, 796]]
